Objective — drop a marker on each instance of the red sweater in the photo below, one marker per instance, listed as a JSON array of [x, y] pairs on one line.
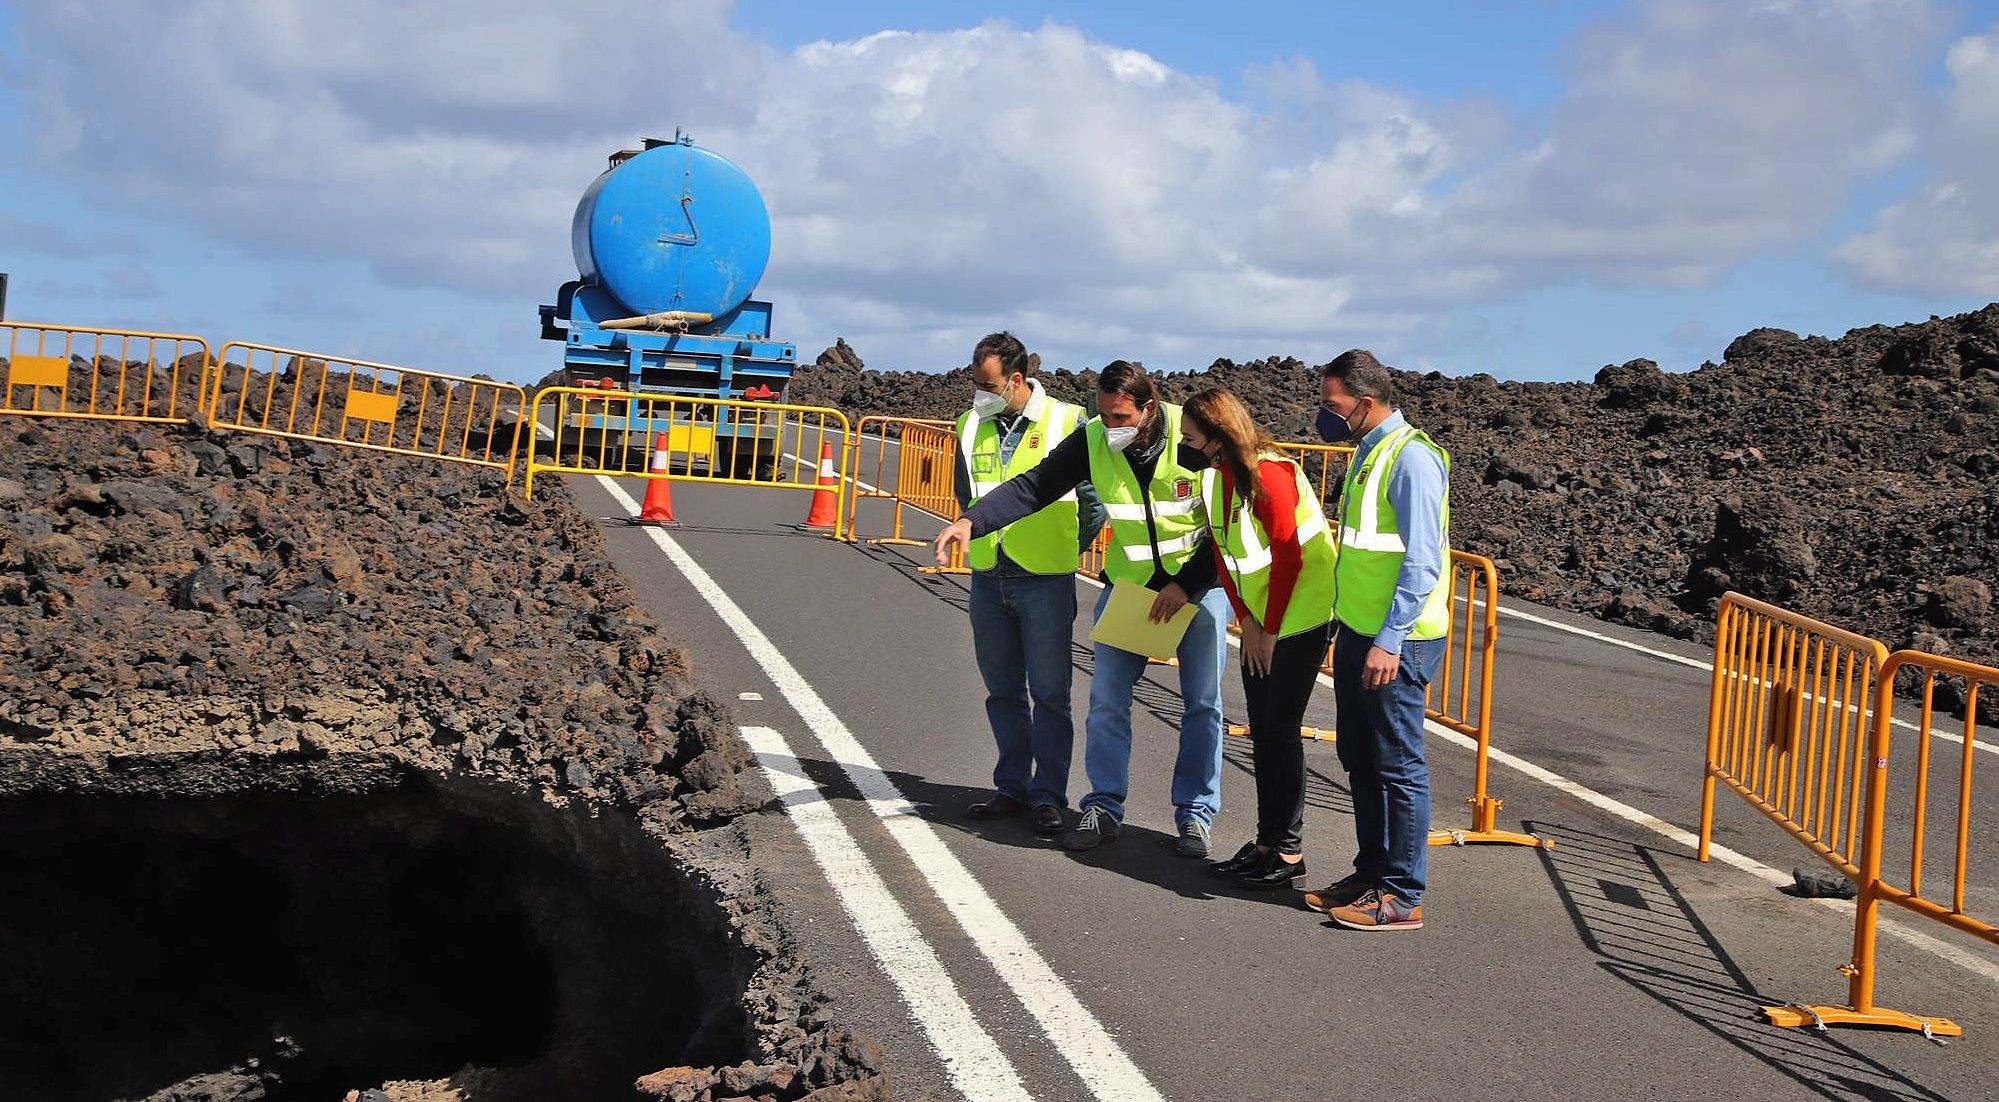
[[1277, 512]]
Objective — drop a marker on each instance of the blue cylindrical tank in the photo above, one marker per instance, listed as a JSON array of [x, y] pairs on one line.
[[676, 227]]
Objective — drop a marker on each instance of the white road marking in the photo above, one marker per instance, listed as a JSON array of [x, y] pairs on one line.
[[1077, 1036], [1889, 926], [971, 1056], [749, 696]]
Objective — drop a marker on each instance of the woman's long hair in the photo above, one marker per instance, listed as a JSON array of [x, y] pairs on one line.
[[1223, 417]]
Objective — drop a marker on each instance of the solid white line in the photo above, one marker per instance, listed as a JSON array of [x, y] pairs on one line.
[[1076, 1034], [976, 1065]]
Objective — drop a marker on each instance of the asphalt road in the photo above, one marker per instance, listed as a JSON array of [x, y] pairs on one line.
[[991, 964]]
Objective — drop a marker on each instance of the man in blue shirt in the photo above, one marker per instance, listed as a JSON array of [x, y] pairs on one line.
[[1393, 618]]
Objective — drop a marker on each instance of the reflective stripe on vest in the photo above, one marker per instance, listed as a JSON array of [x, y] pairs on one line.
[[1372, 548], [1174, 494], [1245, 551], [1043, 542]]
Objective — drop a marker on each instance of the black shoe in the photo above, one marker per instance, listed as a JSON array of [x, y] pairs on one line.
[[1275, 873], [1246, 858], [998, 806], [1094, 829], [1047, 819]]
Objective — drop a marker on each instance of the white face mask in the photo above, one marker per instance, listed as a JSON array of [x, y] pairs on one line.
[[986, 404], [1120, 439]]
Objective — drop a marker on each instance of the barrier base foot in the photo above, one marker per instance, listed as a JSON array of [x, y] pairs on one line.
[[1316, 734], [942, 570], [1488, 837], [1797, 1016], [898, 541]]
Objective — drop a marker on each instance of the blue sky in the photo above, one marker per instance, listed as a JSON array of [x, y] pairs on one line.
[[1530, 189]]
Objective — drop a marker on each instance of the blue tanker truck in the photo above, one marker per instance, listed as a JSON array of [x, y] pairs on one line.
[[669, 242]]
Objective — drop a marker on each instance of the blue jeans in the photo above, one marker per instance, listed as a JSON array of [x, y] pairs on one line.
[[1021, 628], [1197, 772], [1381, 747]]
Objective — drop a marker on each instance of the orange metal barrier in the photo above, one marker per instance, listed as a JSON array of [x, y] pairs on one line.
[[1799, 724], [1786, 724], [1970, 680], [875, 482], [359, 404], [922, 478], [102, 374], [729, 442], [1092, 562], [1325, 466], [1460, 696]]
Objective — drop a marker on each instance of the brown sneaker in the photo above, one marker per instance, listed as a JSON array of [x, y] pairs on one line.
[[1337, 894], [1378, 910]]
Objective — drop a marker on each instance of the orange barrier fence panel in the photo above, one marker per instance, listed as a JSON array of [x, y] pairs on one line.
[[1325, 465], [1801, 718], [1903, 797], [632, 434], [922, 476], [1787, 724], [1460, 695], [1092, 562], [360, 404], [881, 478], [101, 374]]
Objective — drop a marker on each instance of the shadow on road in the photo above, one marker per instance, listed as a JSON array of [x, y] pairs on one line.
[[1628, 912]]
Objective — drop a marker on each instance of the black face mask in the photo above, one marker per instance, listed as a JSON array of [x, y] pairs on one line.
[[1191, 457]]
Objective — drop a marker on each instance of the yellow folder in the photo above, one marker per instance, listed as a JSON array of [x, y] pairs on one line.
[[1124, 625]]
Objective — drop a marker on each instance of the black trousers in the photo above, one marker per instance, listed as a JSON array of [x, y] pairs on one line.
[[1277, 705]]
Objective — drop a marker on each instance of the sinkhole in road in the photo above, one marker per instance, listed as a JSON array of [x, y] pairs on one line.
[[302, 943]]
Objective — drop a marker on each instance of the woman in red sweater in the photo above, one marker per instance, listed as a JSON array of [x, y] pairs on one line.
[[1275, 554]]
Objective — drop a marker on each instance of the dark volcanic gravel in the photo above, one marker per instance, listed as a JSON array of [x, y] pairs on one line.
[[1851, 480], [246, 603]]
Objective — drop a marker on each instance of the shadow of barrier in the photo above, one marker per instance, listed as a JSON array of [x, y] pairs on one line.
[[102, 374], [732, 442], [1799, 722], [921, 478], [359, 404]]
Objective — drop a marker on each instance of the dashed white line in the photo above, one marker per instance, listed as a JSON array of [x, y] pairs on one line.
[[1077, 1036]]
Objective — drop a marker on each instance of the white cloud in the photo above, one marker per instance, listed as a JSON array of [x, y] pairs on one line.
[[1945, 238], [927, 187]]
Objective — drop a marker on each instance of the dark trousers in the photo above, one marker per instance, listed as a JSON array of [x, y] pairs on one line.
[[1021, 627], [1276, 712], [1381, 746]]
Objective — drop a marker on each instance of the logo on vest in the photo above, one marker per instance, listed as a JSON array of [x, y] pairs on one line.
[[1183, 488], [1034, 441]]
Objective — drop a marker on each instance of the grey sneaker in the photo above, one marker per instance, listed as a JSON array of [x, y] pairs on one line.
[[1094, 829], [1193, 839]]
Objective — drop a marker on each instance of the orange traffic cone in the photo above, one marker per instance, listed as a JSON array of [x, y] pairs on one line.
[[826, 499], [658, 507]]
